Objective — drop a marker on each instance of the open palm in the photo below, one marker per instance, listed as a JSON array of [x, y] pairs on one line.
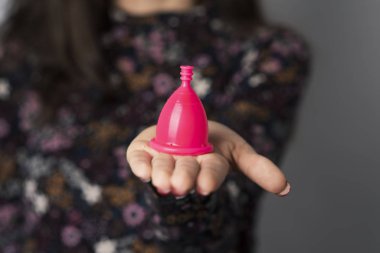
[[205, 173]]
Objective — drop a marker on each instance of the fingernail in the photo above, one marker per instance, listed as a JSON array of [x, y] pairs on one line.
[[145, 180], [285, 191], [177, 194], [202, 192], [163, 191]]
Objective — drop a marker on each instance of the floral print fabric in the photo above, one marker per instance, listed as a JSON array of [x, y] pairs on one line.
[[65, 186]]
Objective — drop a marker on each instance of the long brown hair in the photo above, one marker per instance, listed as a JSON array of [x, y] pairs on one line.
[[64, 36]]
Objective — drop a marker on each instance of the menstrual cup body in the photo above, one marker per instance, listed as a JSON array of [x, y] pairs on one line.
[[182, 127]]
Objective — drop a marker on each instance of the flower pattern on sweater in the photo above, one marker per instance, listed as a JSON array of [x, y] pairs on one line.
[[65, 186]]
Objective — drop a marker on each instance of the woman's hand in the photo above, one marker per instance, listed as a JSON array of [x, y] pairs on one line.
[[180, 174]]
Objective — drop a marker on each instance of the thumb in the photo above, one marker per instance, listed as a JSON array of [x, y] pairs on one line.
[[260, 169]]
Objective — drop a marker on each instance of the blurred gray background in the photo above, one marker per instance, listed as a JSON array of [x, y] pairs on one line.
[[2, 9], [334, 161]]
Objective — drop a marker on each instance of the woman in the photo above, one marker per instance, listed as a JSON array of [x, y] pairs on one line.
[[82, 81]]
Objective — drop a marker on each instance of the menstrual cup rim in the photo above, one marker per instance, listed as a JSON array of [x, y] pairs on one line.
[[175, 150], [187, 67]]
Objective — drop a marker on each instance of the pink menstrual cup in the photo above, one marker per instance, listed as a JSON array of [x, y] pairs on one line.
[[182, 127]]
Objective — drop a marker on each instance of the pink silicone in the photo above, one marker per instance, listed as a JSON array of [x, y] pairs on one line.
[[182, 127]]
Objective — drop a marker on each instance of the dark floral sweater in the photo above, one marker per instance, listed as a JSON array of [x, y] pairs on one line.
[[65, 186]]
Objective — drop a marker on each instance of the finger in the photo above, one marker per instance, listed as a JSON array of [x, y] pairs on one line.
[[141, 145], [184, 175], [261, 170], [162, 169], [214, 169], [140, 163]]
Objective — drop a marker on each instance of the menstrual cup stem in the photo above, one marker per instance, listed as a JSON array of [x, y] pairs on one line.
[[186, 75]]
